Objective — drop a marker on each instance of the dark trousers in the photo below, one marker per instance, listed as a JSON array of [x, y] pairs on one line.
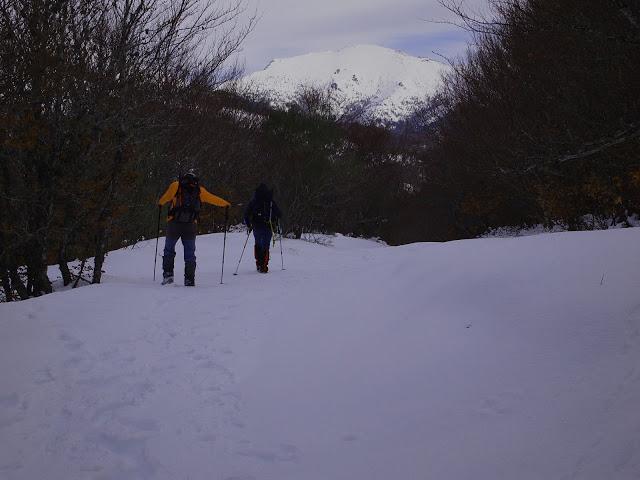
[[179, 231], [262, 234]]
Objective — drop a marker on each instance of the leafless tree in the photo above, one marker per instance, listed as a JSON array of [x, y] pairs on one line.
[[87, 87]]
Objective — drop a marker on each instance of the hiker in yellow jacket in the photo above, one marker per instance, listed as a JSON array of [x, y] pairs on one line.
[[186, 196]]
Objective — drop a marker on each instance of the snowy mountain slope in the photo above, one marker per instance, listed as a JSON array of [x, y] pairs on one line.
[[392, 80], [509, 358]]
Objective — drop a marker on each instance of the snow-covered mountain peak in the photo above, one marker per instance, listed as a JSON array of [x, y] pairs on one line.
[[392, 81], [355, 56]]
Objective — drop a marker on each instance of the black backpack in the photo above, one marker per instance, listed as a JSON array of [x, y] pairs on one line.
[[187, 205], [262, 212]]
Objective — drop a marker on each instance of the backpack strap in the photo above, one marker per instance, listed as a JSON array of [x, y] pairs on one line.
[[175, 200]]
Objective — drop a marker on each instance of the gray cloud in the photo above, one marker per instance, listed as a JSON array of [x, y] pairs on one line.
[[294, 27]]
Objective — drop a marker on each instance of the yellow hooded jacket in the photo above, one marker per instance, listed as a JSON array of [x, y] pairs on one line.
[[205, 197]]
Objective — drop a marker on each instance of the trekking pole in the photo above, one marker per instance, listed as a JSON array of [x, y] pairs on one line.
[[224, 244], [155, 259], [273, 234], [245, 246], [281, 255]]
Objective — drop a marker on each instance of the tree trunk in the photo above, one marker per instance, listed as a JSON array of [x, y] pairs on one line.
[[62, 263], [39, 283], [101, 243], [17, 285], [79, 277], [105, 218], [6, 285]]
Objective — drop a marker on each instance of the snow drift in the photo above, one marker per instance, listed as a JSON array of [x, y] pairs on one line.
[[484, 359]]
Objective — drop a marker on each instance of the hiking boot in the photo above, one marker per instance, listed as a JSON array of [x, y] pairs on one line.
[[189, 274], [257, 253], [264, 267], [167, 269], [167, 265]]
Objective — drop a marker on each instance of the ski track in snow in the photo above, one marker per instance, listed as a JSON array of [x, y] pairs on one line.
[[109, 395], [484, 359]]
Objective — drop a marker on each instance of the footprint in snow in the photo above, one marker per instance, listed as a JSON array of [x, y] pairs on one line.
[[140, 424], [12, 410], [285, 453], [11, 467], [8, 401], [501, 404], [71, 343], [44, 376]]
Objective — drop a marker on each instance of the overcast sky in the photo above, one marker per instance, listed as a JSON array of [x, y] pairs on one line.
[[293, 27]]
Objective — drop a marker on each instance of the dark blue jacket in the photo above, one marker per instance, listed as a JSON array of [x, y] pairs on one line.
[[262, 209]]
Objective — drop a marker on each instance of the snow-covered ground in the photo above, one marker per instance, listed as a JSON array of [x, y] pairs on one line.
[[514, 358], [590, 222]]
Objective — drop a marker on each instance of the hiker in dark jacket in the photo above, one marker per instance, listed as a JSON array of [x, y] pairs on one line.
[[262, 215], [186, 196]]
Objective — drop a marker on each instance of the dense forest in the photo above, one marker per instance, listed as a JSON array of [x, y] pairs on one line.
[[539, 124], [104, 103]]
